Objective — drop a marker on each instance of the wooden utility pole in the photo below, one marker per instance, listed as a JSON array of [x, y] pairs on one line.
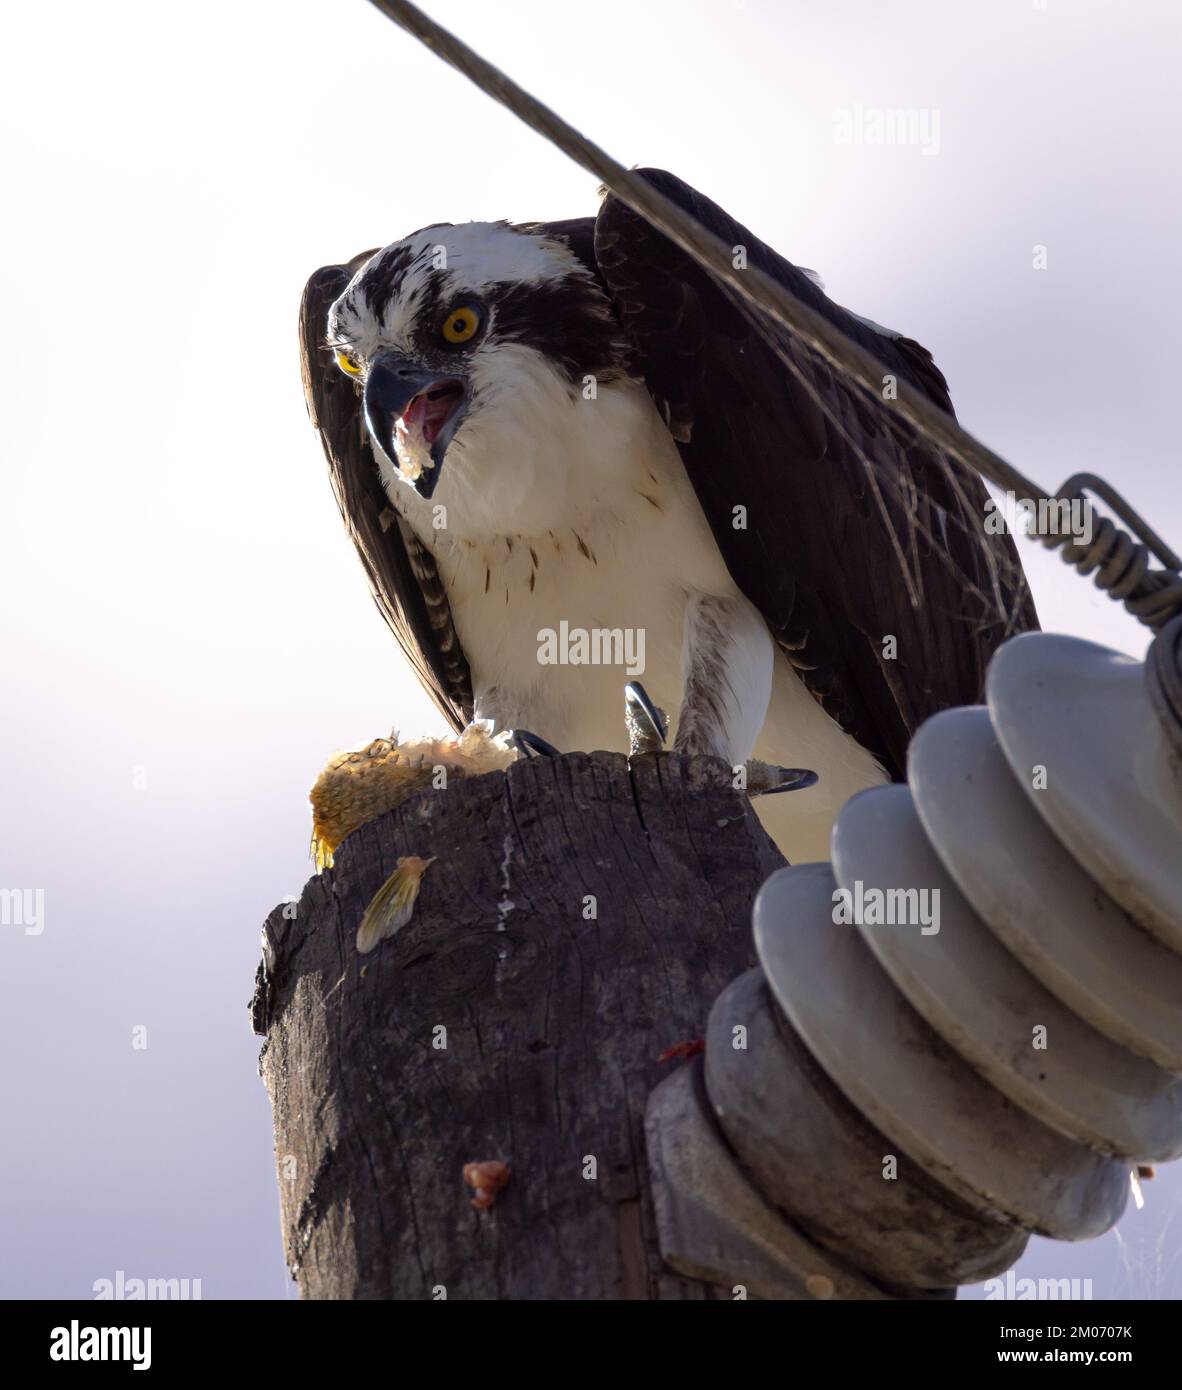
[[580, 919]]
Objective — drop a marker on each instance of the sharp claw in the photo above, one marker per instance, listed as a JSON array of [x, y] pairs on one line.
[[766, 779], [647, 726], [531, 746]]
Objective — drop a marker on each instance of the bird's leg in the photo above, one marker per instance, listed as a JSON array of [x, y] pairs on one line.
[[726, 668], [727, 664]]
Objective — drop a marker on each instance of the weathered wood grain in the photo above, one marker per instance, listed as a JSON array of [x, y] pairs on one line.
[[555, 1013]]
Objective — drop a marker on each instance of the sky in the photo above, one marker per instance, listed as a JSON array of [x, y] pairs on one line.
[[186, 628]]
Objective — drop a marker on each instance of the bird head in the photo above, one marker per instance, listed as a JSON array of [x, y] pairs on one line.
[[473, 348]]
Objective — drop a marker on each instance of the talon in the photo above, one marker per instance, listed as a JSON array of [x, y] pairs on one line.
[[531, 746], [648, 727], [766, 779]]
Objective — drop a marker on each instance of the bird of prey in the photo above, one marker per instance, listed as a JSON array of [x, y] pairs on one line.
[[571, 428]]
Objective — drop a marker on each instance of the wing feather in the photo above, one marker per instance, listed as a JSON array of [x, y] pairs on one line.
[[857, 530]]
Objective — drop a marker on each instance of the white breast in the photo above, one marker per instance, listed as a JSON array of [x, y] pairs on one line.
[[633, 548], [630, 550]]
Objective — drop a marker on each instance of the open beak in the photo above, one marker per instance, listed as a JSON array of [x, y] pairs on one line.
[[405, 399]]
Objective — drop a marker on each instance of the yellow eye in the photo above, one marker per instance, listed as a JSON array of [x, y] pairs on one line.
[[461, 324], [348, 363]]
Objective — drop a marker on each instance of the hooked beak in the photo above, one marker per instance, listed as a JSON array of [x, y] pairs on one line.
[[404, 397]]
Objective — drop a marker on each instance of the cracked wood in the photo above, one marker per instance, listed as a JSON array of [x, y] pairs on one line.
[[554, 1021]]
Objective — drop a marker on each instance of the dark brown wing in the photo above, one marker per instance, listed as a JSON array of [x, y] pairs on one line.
[[401, 571], [856, 530]]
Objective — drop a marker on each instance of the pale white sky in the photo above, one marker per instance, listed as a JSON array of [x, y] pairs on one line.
[[177, 594]]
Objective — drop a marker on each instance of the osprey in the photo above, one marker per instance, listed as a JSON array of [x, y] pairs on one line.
[[571, 428]]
